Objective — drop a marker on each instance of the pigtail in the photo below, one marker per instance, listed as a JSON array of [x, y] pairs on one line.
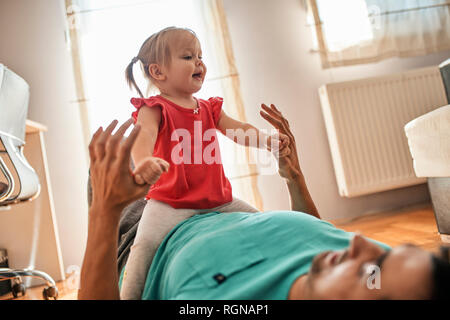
[[130, 78]]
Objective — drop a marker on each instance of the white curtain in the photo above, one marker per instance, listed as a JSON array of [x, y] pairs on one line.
[[239, 158], [363, 31]]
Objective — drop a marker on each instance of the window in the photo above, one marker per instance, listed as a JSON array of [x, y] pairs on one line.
[[362, 31]]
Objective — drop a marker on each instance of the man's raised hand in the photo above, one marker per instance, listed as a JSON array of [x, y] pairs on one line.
[[113, 184]]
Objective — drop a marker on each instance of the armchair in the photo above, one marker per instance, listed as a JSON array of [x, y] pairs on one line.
[[429, 143]]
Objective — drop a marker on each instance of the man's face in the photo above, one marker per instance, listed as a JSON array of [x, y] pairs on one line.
[[347, 274]]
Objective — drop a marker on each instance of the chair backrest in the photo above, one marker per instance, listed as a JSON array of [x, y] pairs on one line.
[[14, 98]]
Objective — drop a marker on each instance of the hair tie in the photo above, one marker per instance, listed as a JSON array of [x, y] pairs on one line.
[[134, 60]]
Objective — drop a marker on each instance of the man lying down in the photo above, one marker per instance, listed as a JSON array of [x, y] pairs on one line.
[[269, 255]]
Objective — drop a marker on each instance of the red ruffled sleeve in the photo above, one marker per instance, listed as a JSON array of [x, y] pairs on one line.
[[216, 107], [138, 103]]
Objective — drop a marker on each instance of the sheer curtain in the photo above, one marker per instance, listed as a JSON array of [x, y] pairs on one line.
[[364, 31], [106, 34]]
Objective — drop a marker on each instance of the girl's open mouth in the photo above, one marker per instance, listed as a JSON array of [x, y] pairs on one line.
[[197, 76]]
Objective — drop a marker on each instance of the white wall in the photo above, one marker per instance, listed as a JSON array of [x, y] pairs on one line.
[[32, 44], [272, 45]]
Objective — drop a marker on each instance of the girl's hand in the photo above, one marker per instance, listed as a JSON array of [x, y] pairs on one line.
[[278, 144], [288, 164], [113, 186], [149, 170]]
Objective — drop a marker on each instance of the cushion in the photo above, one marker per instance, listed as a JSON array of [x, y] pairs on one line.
[[429, 143]]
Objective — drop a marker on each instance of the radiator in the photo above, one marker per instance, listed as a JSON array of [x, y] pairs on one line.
[[364, 120]]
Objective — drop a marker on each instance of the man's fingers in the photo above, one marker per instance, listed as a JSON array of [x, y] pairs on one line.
[[110, 128], [104, 137], [93, 142], [281, 152], [129, 142], [274, 122], [285, 152], [283, 120], [277, 120], [142, 187], [96, 134], [100, 144], [284, 139], [274, 144], [123, 128], [141, 191], [277, 112], [270, 111], [125, 149], [118, 136]]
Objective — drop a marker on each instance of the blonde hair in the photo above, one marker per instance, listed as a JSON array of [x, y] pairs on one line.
[[155, 49]]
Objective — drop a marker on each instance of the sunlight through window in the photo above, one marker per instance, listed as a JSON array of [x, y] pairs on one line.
[[345, 23]]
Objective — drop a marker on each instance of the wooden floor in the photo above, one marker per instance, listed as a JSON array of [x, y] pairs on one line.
[[65, 292], [414, 225]]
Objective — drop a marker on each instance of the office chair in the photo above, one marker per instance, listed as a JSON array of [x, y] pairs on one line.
[[19, 180]]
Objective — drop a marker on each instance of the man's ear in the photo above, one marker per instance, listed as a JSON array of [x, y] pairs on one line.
[[156, 72]]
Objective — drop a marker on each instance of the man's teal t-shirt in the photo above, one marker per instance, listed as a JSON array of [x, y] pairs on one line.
[[239, 255]]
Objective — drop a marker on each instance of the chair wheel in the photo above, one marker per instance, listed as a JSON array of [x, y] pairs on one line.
[[50, 292], [18, 288]]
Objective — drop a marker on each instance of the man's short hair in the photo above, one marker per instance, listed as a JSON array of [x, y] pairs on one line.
[[441, 275]]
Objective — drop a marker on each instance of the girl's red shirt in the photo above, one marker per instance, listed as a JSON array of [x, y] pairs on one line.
[[187, 140]]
